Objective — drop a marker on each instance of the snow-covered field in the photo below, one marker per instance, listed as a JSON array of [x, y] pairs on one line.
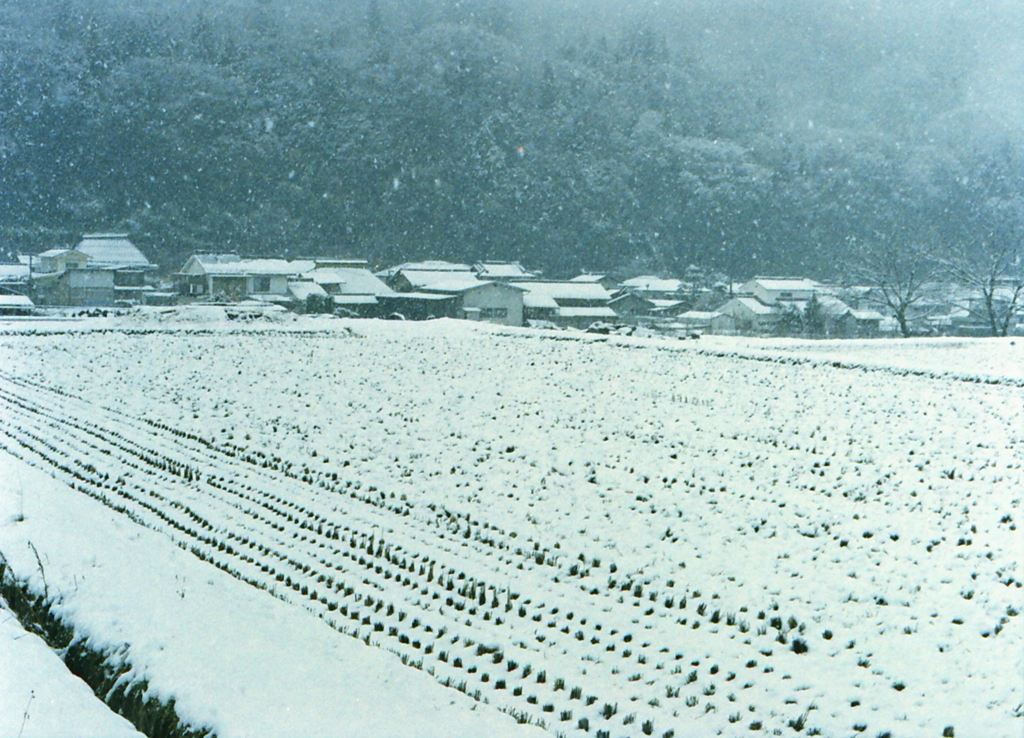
[[607, 536]]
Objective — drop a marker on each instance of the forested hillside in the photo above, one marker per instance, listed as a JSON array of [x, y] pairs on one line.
[[743, 136]]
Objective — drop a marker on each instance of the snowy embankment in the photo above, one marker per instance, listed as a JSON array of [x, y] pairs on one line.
[[234, 660], [40, 698], [603, 536]]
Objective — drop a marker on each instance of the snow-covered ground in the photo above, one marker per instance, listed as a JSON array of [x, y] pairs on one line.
[[40, 698], [596, 534]]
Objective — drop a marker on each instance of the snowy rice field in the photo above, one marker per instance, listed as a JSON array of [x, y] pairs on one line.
[[325, 527]]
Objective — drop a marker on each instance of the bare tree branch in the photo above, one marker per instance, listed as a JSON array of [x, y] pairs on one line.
[[899, 274]]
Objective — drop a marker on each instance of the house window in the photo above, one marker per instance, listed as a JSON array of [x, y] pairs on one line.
[[261, 284], [490, 313]]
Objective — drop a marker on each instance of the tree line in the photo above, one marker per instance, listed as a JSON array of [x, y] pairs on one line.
[[500, 130]]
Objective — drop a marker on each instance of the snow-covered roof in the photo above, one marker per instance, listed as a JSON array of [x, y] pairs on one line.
[[697, 315], [111, 249], [13, 272], [568, 290], [302, 290], [501, 270], [17, 301], [50, 253], [664, 303], [653, 284], [754, 305], [589, 278], [438, 297], [419, 278], [786, 284], [457, 284], [227, 267], [451, 282], [351, 281], [627, 296], [322, 275], [535, 301], [425, 266]]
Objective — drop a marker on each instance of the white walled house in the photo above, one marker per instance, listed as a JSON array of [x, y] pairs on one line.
[[746, 315], [493, 302], [54, 261], [773, 290], [234, 278], [577, 304], [656, 287]]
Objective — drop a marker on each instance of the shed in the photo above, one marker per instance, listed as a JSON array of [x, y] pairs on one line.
[[12, 304]]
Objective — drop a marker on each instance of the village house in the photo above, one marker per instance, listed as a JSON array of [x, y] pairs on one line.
[[444, 289], [54, 261], [231, 277], [745, 315], [412, 275], [354, 290], [576, 304], [775, 290], [493, 302], [657, 288], [104, 269], [631, 307]]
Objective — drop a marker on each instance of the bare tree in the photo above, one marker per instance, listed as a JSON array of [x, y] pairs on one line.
[[991, 267], [899, 273], [994, 278]]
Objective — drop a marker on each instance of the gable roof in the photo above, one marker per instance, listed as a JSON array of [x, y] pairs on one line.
[[424, 266], [351, 281], [785, 284], [111, 249], [14, 272], [538, 302], [502, 270], [15, 301], [231, 265], [588, 278], [302, 290], [653, 284], [568, 290], [449, 279], [750, 303], [456, 284]]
